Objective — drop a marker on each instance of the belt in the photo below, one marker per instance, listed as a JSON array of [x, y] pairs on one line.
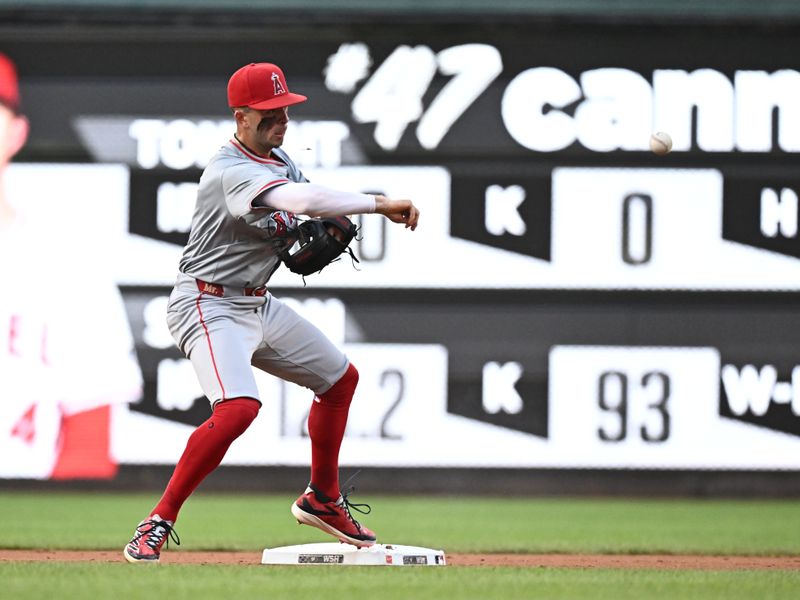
[[220, 291]]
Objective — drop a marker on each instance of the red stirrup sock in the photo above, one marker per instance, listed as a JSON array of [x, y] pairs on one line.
[[204, 451], [326, 424]]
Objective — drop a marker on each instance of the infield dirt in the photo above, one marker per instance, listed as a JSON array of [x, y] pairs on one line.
[[568, 561]]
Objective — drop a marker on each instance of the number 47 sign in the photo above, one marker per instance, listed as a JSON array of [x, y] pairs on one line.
[[392, 97]]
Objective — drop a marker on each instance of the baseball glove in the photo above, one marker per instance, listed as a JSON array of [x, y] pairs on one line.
[[320, 241]]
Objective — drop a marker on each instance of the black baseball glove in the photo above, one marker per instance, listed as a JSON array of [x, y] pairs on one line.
[[320, 241]]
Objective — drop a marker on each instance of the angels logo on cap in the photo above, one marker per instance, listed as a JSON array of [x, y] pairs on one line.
[[276, 81], [261, 86]]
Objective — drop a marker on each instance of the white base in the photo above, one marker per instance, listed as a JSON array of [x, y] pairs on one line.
[[386, 555]]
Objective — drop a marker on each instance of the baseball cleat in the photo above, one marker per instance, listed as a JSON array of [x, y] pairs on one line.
[[150, 535], [333, 517]]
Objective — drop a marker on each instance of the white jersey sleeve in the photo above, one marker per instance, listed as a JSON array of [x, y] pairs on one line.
[[317, 200], [91, 345]]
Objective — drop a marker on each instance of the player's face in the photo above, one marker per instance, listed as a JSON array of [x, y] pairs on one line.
[[13, 133], [270, 126]]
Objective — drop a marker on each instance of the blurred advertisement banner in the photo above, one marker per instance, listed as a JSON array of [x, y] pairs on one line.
[[66, 350]]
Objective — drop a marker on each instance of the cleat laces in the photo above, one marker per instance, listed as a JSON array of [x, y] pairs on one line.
[[363, 508], [155, 535]]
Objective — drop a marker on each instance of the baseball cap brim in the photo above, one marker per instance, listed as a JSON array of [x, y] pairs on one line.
[[287, 99]]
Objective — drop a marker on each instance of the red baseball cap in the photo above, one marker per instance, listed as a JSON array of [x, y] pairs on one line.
[[9, 88], [261, 86]]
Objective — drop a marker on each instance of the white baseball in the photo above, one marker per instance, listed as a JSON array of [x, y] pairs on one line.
[[660, 143]]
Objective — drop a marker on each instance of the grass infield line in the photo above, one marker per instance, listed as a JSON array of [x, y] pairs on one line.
[[569, 561]]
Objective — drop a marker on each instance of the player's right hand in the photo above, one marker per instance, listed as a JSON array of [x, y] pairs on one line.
[[398, 211]]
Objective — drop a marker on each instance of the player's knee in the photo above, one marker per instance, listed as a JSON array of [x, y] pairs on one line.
[[342, 391], [238, 413], [349, 380]]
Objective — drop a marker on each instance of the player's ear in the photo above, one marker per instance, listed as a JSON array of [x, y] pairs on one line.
[[239, 115]]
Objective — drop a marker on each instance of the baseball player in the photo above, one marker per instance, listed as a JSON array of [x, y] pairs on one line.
[[224, 318], [65, 362]]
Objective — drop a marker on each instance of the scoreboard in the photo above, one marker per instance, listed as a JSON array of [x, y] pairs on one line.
[[569, 300]]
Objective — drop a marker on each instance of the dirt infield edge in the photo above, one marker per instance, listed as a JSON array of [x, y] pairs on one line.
[[569, 561]]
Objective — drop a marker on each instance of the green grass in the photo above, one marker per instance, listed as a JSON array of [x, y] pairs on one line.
[[252, 522], [121, 582]]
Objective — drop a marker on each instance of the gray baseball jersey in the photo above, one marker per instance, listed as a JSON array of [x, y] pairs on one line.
[[227, 240], [219, 313]]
